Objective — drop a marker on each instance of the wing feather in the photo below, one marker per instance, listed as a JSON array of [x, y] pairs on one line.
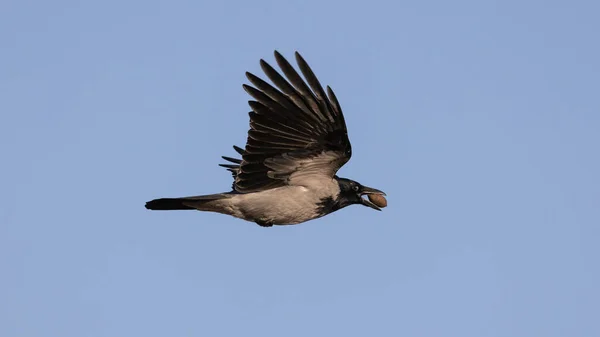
[[297, 130]]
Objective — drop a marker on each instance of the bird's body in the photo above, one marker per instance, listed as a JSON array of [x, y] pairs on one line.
[[296, 143], [288, 205]]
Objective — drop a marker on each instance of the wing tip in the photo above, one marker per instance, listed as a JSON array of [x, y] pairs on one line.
[[299, 57], [238, 149]]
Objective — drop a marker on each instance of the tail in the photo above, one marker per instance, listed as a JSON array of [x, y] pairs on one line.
[[198, 203]]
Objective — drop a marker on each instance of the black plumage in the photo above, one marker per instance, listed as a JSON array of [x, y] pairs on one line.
[[297, 142]]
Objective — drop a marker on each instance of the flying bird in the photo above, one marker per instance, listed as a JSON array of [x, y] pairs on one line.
[[296, 144]]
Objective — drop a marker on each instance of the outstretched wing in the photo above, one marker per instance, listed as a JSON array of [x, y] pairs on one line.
[[297, 132]]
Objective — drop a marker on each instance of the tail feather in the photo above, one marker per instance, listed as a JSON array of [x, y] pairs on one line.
[[186, 203]]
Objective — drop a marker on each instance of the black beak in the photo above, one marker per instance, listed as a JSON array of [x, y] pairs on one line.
[[365, 192]]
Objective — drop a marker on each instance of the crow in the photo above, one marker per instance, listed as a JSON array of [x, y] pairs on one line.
[[296, 144]]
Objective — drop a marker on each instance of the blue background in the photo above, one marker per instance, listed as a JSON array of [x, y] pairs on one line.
[[480, 119]]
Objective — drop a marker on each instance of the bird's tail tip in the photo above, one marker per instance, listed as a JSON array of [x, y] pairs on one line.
[[198, 202], [167, 204]]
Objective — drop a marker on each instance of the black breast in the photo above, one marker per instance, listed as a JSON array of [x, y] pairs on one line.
[[328, 205]]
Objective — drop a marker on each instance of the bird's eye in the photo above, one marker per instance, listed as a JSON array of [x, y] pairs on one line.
[[355, 188]]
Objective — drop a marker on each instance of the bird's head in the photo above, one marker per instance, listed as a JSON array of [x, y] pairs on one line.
[[352, 192]]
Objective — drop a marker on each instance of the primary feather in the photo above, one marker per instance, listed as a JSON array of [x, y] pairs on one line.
[[296, 130]]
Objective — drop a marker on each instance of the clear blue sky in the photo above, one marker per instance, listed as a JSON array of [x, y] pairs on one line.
[[480, 119]]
